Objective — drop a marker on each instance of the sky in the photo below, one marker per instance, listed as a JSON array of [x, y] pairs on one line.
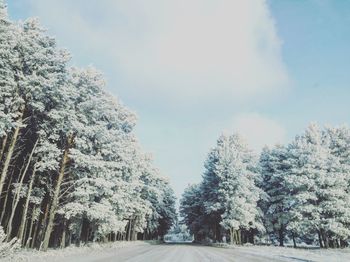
[[192, 69]]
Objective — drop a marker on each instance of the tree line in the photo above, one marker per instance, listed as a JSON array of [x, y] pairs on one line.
[[299, 192], [71, 168]]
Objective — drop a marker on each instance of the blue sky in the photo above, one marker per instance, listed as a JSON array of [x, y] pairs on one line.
[[193, 69]]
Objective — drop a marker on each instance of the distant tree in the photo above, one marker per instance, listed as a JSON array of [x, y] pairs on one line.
[[193, 213]]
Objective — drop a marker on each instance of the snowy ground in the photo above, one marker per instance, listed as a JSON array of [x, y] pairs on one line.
[[144, 252]]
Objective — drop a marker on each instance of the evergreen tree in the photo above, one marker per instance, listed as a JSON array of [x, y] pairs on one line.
[[274, 167]]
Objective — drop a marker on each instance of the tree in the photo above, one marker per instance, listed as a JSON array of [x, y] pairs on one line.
[[318, 192], [274, 166], [237, 190], [192, 211], [226, 200], [9, 103], [71, 168]]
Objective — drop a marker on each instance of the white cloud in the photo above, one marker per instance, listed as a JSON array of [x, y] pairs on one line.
[[259, 130], [181, 50]]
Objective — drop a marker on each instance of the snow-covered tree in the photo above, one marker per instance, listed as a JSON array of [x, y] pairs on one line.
[[192, 212], [236, 192], [68, 153], [319, 188], [274, 166], [228, 194]]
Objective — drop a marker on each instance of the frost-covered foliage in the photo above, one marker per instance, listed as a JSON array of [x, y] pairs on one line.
[[71, 168], [226, 200], [308, 187], [298, 192], [273, 167]]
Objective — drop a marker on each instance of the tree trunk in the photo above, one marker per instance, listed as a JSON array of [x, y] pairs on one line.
[[55, 197], [79, 232], [133, 231], [3, 145], [325, 239], [235, 237], [239, 233], [129, 230], [281, 236], [11, 150], [294, 242], [251, 236], [40, 226], [17, 195], [320, 239], [63, 239], [35, 234], [5, 202], [27, 244], [26, 205]]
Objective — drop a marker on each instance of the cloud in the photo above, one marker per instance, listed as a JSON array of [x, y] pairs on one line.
[[259, 130], [183, 50]]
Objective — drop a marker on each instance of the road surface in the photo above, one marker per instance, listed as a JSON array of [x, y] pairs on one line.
[[179, 253]]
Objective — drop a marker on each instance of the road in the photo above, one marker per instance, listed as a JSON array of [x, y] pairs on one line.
[[180, 253]]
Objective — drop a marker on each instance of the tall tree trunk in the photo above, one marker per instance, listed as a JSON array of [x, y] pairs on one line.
[[26, 205], [78, 233], [63, 239], [5, 201], [56, 194], [27, 243], [18, 195], [3, 145], [35, 234], [40, 226], [11, 150]]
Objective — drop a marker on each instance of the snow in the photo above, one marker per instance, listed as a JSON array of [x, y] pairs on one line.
[[326, 255], [74, 253], [148, 251]]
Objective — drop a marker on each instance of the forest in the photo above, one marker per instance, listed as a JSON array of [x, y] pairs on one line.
[[71, 168], [299, 192]]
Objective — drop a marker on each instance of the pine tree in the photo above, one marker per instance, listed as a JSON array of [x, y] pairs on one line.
[[229, 189], [274, 167], [318, 192], [193, 212]]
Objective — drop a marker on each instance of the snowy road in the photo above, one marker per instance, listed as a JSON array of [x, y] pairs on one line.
[[180, 253], [147, 252]]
